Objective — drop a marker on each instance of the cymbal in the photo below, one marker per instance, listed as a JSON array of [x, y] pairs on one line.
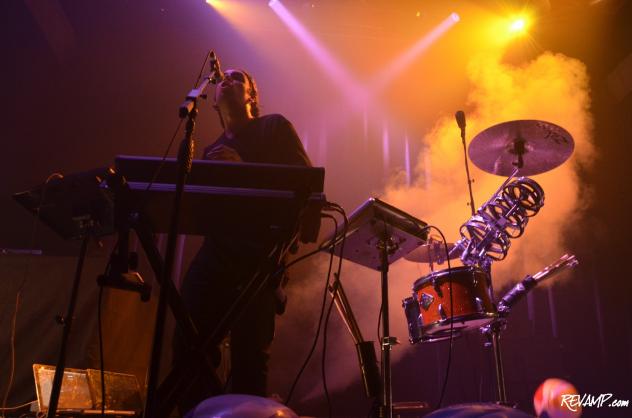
[[433, 252], [534, 146]]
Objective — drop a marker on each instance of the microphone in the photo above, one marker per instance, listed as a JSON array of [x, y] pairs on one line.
[[216, 71], [460, 119], [529, 282]]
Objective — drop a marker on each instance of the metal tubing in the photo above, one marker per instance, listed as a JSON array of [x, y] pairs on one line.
[[500, 372], [387, 396]]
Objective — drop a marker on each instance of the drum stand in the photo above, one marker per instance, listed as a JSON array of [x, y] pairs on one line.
[[492, 332]]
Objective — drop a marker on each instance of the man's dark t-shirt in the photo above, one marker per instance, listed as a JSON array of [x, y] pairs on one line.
[[267, 139]]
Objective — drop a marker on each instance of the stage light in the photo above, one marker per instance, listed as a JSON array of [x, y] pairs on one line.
[[218, 4], [518, 25], [455, 17], [499, 31]]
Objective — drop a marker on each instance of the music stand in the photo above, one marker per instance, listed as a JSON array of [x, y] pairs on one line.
[[379, 234], [75, 207]]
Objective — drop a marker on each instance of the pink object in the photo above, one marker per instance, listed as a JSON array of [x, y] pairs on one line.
[[557, 398]]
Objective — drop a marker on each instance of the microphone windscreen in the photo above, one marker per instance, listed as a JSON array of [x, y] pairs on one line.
[[460, 119]]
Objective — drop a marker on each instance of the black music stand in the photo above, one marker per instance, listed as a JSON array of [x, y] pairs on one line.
[[73, 204], [75, 207], [378, 235]]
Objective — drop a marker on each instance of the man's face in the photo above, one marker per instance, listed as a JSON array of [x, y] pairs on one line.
[[234, 90]]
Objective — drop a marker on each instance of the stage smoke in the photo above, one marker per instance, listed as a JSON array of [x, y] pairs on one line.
[[552, 88]]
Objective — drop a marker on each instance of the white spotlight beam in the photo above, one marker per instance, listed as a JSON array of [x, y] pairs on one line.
[[334, 70], [355, 93], [389, 73]]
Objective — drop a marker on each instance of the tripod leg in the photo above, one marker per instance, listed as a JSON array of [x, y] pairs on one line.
[[67, 323]]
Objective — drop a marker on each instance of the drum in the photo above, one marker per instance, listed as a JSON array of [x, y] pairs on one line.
[[430, 314], [478, 410]]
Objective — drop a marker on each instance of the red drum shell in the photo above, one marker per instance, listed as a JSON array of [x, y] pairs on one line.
[[472, 305]]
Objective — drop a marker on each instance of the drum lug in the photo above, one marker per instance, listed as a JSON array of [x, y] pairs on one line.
[[444, 317], [426, 300], [437, 287], [388, 342], [479, 304]]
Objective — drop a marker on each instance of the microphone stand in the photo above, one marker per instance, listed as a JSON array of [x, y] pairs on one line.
[[467, 171], [493, 330], [185, 156]]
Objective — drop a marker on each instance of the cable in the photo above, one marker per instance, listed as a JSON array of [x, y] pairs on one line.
[[173, 137], [12, 373], [18, 295], [379, 322], [330, 244], [199, 77], [101, 356], [320, 319], [338, 209], [164, 157], [447, 371], [323, 246], [323, 361], [13, 408]]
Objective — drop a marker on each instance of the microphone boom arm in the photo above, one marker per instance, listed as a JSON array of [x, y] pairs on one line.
[[521, 289]]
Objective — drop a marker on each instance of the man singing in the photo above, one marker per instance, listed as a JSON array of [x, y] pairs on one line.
[[226, 262]]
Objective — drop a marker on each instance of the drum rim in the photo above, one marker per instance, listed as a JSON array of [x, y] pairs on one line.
[[457, 334], [440, 273], [480, 315]]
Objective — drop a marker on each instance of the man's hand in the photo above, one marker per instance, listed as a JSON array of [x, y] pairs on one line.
[[223, 153]]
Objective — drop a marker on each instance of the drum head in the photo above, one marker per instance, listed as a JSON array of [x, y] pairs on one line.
[[456, 273], [241, 406], [478, 410]]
